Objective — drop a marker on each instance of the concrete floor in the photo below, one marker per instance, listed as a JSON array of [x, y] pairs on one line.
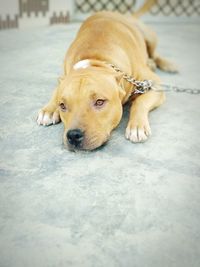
[[125, 205]]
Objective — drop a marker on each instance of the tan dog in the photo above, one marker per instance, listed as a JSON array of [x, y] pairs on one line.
[[90, 95]]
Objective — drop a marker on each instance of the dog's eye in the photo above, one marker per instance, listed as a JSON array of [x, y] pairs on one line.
[[99, 102], [63, 107]]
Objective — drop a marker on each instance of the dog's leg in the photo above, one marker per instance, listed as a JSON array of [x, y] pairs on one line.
[[138, 129], [164, 64], [49, 114], [151, 64]]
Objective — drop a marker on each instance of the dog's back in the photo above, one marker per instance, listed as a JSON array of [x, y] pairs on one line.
[[110, 37]]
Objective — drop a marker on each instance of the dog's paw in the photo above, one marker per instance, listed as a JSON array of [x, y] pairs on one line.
[[170, 67], [47, 118], [166, 65], [138, 131]]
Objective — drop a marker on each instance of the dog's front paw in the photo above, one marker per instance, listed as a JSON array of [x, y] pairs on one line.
[[138, 131], [47, 118]]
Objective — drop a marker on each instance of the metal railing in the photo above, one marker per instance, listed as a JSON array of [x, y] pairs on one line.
[[176, 7], [87, 6], [164, 7]]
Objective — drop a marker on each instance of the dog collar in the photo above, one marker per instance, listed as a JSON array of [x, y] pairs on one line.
[[140, 87]]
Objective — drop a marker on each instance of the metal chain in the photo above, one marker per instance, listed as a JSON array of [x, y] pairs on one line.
[[141, 87], [144, 86], [177, 89]]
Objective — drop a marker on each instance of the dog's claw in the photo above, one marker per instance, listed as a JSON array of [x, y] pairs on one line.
[[46, 118], [137, 134], [40, 117], [56, 117]]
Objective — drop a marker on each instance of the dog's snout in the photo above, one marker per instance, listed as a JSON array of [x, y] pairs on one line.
[[75, 137]]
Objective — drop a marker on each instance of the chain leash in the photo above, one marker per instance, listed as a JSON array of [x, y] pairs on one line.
[[177, 89], [141, 87]]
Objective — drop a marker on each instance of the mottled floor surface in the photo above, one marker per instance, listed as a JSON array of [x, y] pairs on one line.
[[125, 205]]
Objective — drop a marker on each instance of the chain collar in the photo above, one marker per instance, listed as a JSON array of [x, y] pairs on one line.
[[140, 87]]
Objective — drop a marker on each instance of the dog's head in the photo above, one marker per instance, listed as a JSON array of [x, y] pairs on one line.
[[90, 103]]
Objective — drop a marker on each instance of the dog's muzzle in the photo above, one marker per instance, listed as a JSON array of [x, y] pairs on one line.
[[75, 137]]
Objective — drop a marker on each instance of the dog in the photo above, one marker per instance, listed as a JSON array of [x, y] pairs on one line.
[[90, 95]]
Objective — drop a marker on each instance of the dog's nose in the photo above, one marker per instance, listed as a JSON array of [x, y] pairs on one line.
[[75, 137]]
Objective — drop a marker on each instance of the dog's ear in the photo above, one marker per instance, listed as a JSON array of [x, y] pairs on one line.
[[119, 79]]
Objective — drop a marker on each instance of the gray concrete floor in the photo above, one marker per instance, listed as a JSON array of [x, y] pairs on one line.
[[125, 205]]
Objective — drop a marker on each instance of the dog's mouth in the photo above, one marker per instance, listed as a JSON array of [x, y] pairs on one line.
[[83, 141], [89, 146], [83, 148]]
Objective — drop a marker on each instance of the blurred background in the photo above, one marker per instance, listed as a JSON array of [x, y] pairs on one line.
[[29, 13]]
